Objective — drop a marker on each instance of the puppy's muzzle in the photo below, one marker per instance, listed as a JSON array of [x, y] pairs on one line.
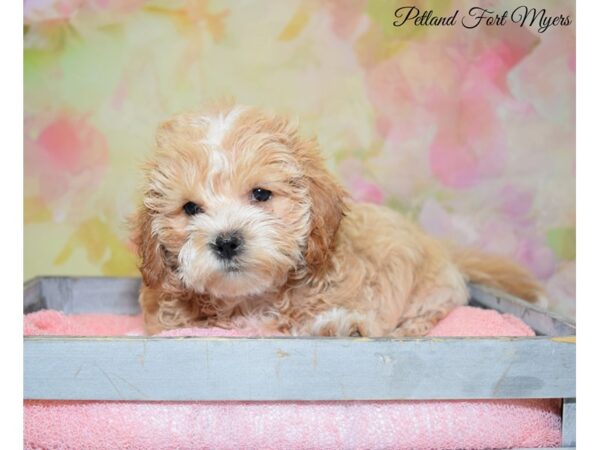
[[228, 245]]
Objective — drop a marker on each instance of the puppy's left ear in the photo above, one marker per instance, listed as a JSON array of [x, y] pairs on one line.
[[328, 203]]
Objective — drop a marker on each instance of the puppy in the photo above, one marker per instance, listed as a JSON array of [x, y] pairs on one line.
[[242, 225]]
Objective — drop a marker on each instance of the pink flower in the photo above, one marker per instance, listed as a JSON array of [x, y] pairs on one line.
[[49, 10], [365, 191], [66, 158], [361, 189]]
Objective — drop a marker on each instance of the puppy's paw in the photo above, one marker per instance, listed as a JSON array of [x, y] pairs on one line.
[[342, 323], [415, 327]]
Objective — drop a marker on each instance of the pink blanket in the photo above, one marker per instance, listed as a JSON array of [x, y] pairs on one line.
[[287, 425]]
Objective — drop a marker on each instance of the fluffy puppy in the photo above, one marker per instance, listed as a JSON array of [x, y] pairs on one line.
[[243, 225]]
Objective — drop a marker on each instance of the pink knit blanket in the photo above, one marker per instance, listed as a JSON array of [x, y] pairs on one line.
[[474, 424]]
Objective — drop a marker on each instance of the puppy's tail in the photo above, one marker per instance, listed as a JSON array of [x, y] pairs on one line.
[[498, 272]]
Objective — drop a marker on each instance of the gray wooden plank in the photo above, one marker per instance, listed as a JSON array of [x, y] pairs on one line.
[[543, 322], [569, 421], [136, 368], [84, 295], [32, 296]]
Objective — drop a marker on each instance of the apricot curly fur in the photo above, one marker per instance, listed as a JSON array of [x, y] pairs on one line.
[[313, 261]]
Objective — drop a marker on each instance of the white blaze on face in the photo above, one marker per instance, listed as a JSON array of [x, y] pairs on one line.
[[218, 127], [261, 265]]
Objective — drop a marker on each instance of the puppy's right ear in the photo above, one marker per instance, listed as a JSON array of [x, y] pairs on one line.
[[152, 260], [328, 204]]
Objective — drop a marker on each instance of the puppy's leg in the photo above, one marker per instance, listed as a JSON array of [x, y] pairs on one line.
[[420, 325], [162, 311], [429, 310]]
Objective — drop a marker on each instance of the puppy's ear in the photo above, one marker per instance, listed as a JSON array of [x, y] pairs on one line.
[[152, 259], [328, 200]]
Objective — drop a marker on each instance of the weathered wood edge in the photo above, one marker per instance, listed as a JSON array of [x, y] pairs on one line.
[[299, 369], [569, 422], [32, 295], [92, 295], [542, 321]]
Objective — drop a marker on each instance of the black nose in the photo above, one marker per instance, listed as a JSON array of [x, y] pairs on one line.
[[227, 245]]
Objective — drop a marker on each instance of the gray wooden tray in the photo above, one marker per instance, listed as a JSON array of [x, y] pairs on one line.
[[269, 369]]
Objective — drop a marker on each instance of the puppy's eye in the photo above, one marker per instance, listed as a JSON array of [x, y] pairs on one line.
[[191, 209], [261, 195]]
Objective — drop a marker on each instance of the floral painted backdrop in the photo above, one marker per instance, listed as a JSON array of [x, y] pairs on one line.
[[470, 132]]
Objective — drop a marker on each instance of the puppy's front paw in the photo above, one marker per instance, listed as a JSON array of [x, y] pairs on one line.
[[414, 327], [342, 323]]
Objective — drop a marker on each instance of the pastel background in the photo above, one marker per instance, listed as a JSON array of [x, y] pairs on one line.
[[470, 132]]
